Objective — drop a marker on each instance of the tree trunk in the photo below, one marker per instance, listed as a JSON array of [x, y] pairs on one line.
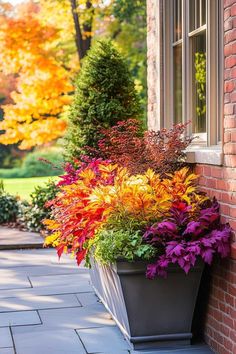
[[87, 27], [82, 45]]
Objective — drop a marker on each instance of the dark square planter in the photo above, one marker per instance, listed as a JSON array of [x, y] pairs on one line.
[[151, 313]]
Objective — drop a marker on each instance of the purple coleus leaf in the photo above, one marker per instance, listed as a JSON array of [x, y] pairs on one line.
[[180, 213], [151, 234], [194, 227], [160, 231], [210, 215], [174, 248], [186, 236], [185, 263], [194, 248], [208, 242], [222, 240], [207, 255], [159, 268], [166, 227], [151, 271]]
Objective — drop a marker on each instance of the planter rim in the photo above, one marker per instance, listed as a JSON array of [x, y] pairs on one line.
[[123, 267]]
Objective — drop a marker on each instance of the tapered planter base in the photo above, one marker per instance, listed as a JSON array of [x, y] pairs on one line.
[[151, 314]]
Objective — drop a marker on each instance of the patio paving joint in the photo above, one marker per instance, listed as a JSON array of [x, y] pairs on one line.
[[40, 324], [81, 342], [30, 282], [13, 342]]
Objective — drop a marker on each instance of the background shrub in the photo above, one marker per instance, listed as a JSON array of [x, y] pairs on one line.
[[34, 165], [105, 94], [32, 214], [9, 206]]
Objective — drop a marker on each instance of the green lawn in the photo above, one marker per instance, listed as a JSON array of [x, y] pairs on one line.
[[24, 186]]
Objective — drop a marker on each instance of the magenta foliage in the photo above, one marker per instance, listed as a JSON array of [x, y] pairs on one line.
[[72, 171], [181, 240]]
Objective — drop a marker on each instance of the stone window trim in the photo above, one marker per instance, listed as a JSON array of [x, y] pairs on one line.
[[215, 79], [211, 155]]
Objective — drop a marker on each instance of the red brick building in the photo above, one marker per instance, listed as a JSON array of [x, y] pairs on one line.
[[192, 76]]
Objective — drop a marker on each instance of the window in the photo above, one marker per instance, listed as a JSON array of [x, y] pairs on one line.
[[193, 72]]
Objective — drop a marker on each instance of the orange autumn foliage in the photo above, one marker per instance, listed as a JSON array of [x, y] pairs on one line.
[[27, 49]]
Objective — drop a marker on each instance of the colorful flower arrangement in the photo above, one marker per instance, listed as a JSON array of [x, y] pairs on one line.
[[105, 212]]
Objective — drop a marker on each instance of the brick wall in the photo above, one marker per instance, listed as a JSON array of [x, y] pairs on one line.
[[220, 320]]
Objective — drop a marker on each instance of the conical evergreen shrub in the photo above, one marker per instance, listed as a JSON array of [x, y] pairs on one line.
[[104, 95]]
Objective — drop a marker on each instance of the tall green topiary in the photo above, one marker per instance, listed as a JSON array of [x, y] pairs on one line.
[[105, 94]]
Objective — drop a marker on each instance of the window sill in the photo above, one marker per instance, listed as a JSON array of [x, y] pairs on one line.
[[212, 155]]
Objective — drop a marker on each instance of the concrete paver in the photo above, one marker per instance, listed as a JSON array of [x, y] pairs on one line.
[[9, 280], [5, 338], [38, 340], [103, 339], [56, 280], [87, 298], [77, 317], [19, 318], [38, 302], [7, 351]]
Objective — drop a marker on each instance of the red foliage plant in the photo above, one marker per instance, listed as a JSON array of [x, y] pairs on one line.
[[162, 151]]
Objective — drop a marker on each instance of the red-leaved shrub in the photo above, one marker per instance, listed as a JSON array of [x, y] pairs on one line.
[[126, 145]]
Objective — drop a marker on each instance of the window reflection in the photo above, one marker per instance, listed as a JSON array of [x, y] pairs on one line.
[[178, 84], [197, 15], [199, 82], [177, 20]]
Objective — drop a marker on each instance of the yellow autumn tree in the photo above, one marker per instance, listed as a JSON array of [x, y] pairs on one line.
[[28, 50]]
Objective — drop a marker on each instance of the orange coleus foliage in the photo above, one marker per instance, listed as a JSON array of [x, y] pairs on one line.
[[104, 191], [27, 49], [75, 219]]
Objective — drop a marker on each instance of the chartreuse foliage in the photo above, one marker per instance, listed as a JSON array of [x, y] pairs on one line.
[[106, 212], [112, 244], [105, 94]]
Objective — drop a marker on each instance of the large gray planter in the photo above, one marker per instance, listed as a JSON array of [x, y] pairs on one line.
[[151, 313]]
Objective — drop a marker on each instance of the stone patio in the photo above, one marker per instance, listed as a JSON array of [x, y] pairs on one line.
[[49, 307]]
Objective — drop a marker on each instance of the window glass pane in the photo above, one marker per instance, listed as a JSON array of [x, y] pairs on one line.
[[177, 83], [203, 12], [194, 18], [180, 19], [177, 20], [199, 82], [191, 15]]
